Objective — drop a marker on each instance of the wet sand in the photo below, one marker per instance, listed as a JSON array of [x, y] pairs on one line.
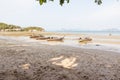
[[29, 61], [98, 39]]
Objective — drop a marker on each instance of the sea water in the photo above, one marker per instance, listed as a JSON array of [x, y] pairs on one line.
[[91, 32]]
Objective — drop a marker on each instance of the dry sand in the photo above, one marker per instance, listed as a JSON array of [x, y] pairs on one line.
[[23, 61]]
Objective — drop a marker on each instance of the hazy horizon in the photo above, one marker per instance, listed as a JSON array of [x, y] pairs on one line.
[[77, 15]]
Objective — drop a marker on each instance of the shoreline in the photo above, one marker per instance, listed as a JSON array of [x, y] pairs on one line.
[[100, 42]]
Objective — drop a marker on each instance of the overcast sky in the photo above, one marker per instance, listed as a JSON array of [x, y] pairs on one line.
[[77, 15]]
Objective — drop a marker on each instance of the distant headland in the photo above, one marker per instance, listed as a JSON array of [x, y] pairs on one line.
[[14, 28]]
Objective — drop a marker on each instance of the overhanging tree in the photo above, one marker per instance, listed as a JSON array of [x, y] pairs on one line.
[[62, 1]]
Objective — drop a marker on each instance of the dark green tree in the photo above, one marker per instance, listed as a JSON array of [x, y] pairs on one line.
[[62, 1]]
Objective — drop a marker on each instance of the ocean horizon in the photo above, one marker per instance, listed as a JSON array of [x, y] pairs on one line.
[[90, 32]]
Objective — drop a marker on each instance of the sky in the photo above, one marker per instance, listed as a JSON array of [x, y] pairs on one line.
[[77, 15]]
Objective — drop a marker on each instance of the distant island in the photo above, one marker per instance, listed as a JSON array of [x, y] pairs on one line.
[[12, 28]]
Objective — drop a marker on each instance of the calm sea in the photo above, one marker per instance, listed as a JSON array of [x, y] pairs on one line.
[[92, 32]]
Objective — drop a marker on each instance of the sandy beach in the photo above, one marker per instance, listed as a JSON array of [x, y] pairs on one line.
[[22, 58]]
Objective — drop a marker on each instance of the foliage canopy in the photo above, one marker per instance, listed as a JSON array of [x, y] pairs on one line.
[[11, 27], [61, 2], [33, 28], [4, 26]]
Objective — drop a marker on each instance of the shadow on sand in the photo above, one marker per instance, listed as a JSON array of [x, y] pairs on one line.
[[60, 63]]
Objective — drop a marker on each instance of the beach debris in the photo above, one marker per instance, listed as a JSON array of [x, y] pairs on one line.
[[86, 39], [80, 38], [55, 39], [97, 45], [110, 34], [42, 38], [49, 38], [25, 66], [36, 36], [64, 62]]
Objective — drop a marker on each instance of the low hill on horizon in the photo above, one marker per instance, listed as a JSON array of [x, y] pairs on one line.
[[10, 27]]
